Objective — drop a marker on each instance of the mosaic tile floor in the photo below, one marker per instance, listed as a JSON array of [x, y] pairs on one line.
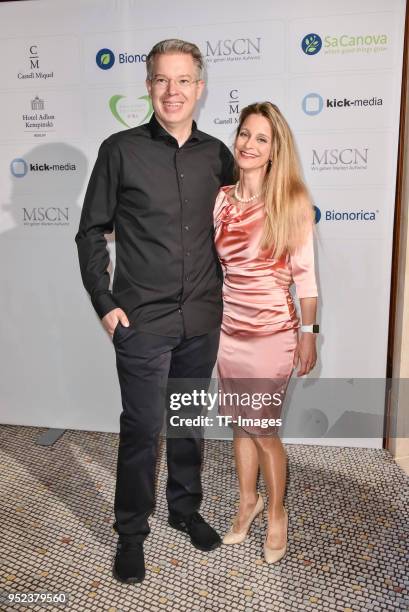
[[348, 539]]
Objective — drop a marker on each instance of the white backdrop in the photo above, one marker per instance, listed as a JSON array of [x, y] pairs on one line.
[[340, 91]]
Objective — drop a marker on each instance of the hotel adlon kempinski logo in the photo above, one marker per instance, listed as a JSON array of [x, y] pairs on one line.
[[38, 121]]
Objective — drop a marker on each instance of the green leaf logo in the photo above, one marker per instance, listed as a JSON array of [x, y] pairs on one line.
[[311, 44], [105, 59]]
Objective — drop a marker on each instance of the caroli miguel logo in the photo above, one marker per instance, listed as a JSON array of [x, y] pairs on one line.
[[233, 50], [131, 113], [339, 159], [231, 112], [33, 70], [352, 216], [106, 58], [20, 168], [38, 123], [314, 103], [311, 44]]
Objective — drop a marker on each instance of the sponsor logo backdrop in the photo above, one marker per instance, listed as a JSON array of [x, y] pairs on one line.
[[77, 75]]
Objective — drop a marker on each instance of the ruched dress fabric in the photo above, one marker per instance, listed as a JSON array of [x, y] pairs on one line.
[[260, 322]]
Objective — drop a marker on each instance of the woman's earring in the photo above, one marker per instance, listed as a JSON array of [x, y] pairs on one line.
[[269, 164]]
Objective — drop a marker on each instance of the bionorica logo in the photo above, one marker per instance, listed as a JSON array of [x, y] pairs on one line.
[[311, 44], [18, 167], [105, 59], [346, 215], [312, 104]]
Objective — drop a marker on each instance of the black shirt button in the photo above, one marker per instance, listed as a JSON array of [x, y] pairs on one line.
[[186, 201], [187, 277], [187, 228], [180, 310], [187, 253], [181, 175]]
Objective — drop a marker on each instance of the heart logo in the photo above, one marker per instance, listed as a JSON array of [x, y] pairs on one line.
[[131, 113]]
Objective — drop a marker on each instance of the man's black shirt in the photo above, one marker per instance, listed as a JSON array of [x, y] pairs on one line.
[[159, 197]]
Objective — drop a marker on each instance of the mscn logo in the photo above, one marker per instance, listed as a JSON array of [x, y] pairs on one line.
[[311, 44], [312, 104], [41, 215], [345, 215], [347, 158], [105, 59], [18, 167], [233, 49]]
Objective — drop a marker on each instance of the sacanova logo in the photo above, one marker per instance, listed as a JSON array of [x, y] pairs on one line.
[[345, 215], [311, 44], [361, 43], [19, 167]]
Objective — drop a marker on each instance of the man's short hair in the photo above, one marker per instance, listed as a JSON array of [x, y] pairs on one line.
[[175, 45]]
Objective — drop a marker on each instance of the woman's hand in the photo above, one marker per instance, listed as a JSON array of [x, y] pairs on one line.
[[306, 353]]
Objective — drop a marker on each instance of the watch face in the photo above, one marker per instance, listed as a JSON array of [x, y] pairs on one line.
[[316, 328]]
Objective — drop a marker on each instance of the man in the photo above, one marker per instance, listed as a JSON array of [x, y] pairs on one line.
[[156, 185]]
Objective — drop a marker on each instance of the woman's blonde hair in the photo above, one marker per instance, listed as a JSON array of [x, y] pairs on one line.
[[289, 213]]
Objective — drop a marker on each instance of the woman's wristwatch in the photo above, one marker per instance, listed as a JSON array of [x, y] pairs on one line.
[[312, 329]]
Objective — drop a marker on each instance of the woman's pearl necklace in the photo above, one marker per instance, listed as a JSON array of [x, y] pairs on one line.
[[243, 200]]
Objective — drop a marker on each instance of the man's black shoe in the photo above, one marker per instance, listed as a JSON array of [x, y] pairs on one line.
[[129, 564], [201, 534]]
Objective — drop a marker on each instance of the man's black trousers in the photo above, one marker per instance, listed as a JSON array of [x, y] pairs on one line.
[[145, 362]]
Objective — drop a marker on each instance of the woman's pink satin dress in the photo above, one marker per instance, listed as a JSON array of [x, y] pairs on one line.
[[259, 327]]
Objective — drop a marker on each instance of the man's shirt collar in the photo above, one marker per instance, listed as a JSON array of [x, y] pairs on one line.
[[158, 132]]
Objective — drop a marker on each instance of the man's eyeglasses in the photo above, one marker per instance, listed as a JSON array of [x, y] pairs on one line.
[[161, 82]]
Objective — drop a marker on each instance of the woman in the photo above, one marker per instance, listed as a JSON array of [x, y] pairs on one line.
[[263, 223]]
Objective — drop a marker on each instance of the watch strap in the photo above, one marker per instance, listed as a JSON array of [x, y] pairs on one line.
[[314, 328]]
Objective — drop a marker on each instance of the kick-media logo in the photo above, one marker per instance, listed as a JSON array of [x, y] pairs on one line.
[[19, 167], [353, 216], [375, 42], [314, 103], [105, 58]]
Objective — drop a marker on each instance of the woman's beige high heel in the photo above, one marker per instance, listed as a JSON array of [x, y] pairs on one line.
[[237, 537], [272, 555]]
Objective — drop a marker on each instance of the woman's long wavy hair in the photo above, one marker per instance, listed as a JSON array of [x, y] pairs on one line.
[[289, 213]]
